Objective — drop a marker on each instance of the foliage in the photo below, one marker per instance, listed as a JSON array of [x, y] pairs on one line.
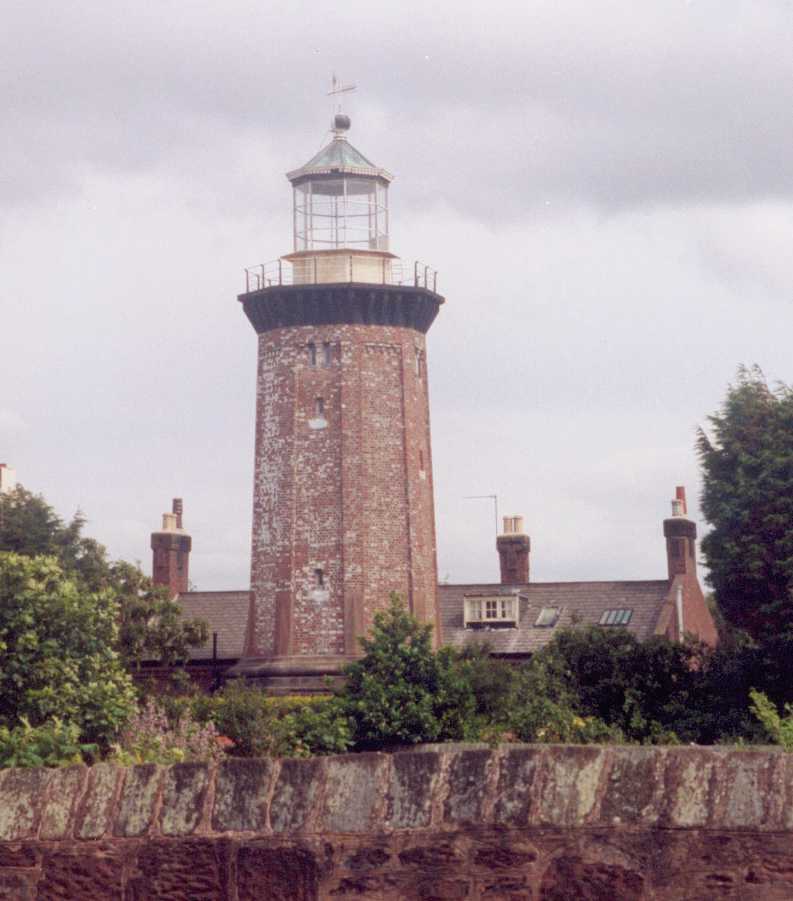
[[312, 729], [57, 654], [151, 737], [258, 725], [240, 713], [400, 691], [29, 526], [779, 729], [494, 683], [638, 688], [53, 744], [150, 625], [748, 500]]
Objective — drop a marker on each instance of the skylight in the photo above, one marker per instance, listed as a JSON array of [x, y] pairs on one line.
[[548, 617], [616, 617]]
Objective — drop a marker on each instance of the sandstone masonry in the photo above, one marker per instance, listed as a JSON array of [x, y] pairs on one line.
[[519, 822]]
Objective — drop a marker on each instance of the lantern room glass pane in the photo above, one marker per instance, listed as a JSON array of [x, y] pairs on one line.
[[333, 213]]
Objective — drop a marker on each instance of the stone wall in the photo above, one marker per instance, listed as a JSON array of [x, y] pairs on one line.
[[519, 822]]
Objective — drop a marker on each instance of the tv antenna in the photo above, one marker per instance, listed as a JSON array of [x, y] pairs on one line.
[[483, 497]]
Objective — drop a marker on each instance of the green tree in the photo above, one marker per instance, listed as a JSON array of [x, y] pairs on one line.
[[57, 651], [150, 623], [151, 626], [641, 688], [747, 498], [401, 691]]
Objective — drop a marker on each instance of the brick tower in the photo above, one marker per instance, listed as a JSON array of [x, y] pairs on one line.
[[343, 503]]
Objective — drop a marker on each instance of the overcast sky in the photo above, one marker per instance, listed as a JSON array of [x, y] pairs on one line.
[[605, 188]]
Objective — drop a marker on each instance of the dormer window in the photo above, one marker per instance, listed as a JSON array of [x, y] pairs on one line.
[[499, 610]]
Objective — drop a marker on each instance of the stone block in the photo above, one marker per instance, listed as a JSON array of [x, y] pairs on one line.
[[688, 786], [17, 886], [63, 793], [570, 782], [21, 800], [295, 795], [185, 792], [138, 800], [181, 869], [241, 794], [278, 873], [634, 787], [84, 872], [517, 786], [19, 854], [467, 786], [94, 813], [413, 784], [747, 790], [571, 877], [354, 787]]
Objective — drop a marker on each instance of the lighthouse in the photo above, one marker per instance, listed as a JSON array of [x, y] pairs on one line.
[[343, 510]]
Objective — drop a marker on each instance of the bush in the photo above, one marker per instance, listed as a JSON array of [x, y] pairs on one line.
[[51, 744], [151, 737], [292, 726], [313, 729], [401, 692]]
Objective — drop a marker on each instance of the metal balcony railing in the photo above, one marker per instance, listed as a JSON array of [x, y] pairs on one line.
[[340, 269]]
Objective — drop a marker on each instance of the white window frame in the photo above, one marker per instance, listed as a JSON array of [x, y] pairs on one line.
[[491, 609]]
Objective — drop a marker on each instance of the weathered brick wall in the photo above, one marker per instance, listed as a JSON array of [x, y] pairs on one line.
[[347, 490], [520, 822]]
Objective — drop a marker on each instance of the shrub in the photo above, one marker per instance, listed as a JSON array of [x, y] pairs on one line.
[[778, 728], [400, 691], [241, 714], [314, 728], [51, 744], [151, 738]]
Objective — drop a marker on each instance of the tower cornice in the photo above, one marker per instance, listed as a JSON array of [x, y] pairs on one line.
[[284, 306]]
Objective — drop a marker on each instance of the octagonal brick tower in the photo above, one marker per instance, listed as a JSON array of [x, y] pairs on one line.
[[343, 510]]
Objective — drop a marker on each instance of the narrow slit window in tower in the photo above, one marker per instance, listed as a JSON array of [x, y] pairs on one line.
[[312, 354], [327, 353], [319, 578], [319, 407]]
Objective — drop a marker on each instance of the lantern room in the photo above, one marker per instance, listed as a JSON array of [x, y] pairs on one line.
[[340, 215]]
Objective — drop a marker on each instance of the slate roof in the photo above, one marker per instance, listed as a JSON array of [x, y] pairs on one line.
[[339, 156], [579, 601], [227, 614]]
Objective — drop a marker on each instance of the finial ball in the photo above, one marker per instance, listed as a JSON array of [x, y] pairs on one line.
[[341, 122]]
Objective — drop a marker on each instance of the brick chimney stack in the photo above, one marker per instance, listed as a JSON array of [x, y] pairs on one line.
[[681, 534], [171, 551], [513, 547]]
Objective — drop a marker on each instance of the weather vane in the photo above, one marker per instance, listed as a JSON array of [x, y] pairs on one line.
[[336, 87]]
